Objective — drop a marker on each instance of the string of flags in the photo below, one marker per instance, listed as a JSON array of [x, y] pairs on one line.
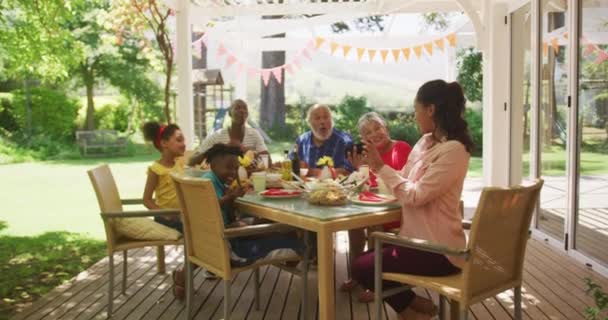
[[232, 59], [383, 53], [589, 47]]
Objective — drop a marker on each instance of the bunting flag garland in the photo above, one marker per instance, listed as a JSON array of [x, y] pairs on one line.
[[429, 48], [221, 50], [278, 74], [601, 57], [383, 54], [306, 54], [406, 53], [266, 76], [426, 48], [319, 41], [371, 54], [333, 46], [289, 69], [346, 49], [360, 52], [545, 49], [230, 61], [440, 44], [418, 51], [555, 45], [396, 53]]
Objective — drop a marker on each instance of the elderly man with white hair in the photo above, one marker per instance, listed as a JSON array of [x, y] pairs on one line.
[[323, 140]]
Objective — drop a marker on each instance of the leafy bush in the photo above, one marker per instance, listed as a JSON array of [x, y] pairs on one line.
[[404, 128], [348, 112], [470, 73], [601, 301], [112, 117], [474, 118], [53, 114], [7, 116]]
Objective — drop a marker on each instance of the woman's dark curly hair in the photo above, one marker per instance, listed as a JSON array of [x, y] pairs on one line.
[[221, 149], [152, 132], [449, 102]]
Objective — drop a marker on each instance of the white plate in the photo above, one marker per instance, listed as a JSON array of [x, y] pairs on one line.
[[388, 200]]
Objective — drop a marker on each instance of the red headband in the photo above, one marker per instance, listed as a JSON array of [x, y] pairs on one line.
[[159, 135]]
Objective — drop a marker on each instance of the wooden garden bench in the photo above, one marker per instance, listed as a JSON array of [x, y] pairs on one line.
[[101, 142]]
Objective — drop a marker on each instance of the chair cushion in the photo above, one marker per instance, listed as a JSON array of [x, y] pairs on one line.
[[144, 229]]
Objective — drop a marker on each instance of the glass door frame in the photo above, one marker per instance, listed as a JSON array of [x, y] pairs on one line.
[[573, 147]]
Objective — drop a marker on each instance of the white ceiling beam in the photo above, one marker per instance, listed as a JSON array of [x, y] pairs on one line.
[[367, 7]]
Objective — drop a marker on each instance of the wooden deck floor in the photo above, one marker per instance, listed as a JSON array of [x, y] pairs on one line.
[[553, 289]]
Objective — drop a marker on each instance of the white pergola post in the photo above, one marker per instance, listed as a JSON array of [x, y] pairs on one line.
[[185, 109], [496, 96]]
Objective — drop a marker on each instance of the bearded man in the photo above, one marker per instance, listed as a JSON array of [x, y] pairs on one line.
[[323, 140]]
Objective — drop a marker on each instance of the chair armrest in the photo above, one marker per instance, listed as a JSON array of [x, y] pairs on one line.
[[141, 213], [256, 229], [418, 244], [132, 201], [466, 224]]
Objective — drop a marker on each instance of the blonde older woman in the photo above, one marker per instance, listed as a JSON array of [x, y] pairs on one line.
[[394, 153]]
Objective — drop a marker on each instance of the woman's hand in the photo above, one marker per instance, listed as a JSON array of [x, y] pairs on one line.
[[371, 157], [355, 157]]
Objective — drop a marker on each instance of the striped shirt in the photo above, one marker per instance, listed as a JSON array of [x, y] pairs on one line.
[[252, 140]]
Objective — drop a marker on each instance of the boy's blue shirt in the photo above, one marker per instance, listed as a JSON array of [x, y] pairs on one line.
[[220, 189]]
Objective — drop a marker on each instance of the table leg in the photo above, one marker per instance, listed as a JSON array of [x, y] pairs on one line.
[[325, 256]]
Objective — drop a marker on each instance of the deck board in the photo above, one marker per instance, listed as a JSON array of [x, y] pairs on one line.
[[553, 289]]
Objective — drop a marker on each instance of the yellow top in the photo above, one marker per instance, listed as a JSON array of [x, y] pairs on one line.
[[165, 194]]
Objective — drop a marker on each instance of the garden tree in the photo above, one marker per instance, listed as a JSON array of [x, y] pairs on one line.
[[134, 17], [470, 74], [595, 81], [34, 42], [102, 58]]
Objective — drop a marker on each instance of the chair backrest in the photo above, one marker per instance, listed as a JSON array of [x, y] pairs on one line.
[[203, 224], [105, 189], [499, 233]]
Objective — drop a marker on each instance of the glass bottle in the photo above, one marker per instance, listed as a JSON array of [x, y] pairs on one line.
[[295, 161], [286, 166]]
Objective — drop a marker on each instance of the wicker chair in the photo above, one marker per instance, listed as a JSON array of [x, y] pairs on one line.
[[207, 241], [111, 206], [492, 265]]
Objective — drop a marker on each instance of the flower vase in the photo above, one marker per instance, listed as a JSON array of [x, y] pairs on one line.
[[242, 173], [327, 172]]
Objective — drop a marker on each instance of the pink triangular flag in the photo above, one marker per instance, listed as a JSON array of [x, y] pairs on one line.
[[204, 40], [240, 69], [230, 61], [296, 62], [311, 45], [251, 72], [278, 74], [601, 57], [289, 68], [221, 50], [306, 54], [265, 76], [589, 49]]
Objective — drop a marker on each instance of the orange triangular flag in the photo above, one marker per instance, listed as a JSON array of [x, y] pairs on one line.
[[333, 46], [383, 54], [319, 41], [451, 39], [555, 45], [565, 35], [440, 43], [371, 53], [406, 53], [346, 49], [360, 52], [429, 48], [545, 49], [396, 54], [418, 51]]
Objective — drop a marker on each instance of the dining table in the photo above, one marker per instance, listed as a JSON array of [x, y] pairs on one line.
[[324, 221]]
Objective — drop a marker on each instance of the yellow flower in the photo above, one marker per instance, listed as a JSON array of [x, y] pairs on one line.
[[247, 159], [325, 161]]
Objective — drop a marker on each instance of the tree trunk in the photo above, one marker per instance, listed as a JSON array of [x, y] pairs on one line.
[[89, 82], [272, 107], [169, 65]]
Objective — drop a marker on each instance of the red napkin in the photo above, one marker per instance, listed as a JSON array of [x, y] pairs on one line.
[[280, 192], [370, 197]]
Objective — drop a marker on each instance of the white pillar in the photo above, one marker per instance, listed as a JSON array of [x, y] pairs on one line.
[[496, 96], [185, 109]]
